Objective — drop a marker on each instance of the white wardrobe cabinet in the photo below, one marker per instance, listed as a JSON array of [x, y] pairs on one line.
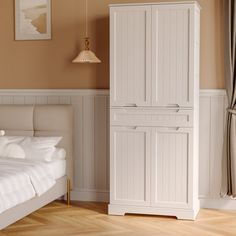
[[154, 80]]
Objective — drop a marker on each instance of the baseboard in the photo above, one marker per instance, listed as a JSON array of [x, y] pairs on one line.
[[90, 195], [219, 204], [103, 196]]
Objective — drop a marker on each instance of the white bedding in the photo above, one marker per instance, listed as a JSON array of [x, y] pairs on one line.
[[21, 180], [57, 168]]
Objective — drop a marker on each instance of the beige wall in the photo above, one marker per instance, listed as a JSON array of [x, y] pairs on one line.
[[47, 64]]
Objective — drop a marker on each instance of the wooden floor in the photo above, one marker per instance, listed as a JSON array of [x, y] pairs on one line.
[[57, 219]]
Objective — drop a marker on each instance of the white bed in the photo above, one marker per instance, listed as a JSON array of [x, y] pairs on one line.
[[37, 121]]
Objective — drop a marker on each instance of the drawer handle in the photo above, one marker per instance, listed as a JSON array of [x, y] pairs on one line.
[[131, 105]]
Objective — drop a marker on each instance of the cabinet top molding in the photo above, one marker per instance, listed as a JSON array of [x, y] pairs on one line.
[[157, 3]]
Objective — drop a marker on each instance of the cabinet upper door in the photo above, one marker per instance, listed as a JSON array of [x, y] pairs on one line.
[[130, 165], [130, 56], [172, 55], [171, 184]]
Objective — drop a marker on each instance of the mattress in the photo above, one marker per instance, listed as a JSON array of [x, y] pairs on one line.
[[57, 168]]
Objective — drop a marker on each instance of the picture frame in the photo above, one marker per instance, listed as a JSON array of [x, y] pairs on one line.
[[33, 20]]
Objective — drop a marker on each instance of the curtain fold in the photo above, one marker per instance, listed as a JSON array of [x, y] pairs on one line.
[[228, 187]]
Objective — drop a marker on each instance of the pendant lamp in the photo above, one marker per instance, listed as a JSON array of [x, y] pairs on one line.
[[86, 56]]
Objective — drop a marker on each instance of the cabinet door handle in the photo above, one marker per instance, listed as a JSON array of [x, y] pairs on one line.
[[174, 128], [132, 127], [173, 105]]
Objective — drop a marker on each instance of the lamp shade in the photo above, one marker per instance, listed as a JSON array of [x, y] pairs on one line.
[[86, 56]]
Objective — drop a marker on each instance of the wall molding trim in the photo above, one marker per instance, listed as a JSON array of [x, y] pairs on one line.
[[77, 92], [53, 92]]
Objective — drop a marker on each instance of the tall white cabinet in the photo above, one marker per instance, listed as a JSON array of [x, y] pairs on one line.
[[154, 80]]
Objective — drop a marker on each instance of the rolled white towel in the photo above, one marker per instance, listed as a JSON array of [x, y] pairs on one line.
[[2, 132], [59, 154]]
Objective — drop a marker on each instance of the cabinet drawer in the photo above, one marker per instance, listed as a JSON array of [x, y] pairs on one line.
[[151, 117]]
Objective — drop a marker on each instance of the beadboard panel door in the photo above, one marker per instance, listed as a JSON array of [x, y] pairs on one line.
[[130, 56], [172, 150], [173, 47], [130, 165]]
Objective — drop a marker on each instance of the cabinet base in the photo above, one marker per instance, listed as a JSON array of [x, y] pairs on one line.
[[181, 214]]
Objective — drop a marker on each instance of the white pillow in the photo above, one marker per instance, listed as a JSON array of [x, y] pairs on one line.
[[41, 148], [12, 150], [41, 142], [44, 154], [6, 141], [35, 148], [11, 139], [40, 154]]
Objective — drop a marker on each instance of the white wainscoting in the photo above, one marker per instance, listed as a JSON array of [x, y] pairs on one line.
[[91, 180], [213, 105]]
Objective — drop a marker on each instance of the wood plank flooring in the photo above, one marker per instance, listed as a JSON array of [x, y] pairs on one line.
[[57, 219]]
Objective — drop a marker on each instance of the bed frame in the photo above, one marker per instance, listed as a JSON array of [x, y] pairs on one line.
[[40, 120]]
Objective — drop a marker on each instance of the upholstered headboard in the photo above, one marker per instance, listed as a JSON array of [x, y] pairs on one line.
[[41, 120]]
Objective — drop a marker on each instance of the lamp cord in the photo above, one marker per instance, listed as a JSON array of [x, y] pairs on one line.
[[86, 17]]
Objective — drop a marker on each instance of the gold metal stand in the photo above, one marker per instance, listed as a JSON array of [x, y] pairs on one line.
[[68, 192]]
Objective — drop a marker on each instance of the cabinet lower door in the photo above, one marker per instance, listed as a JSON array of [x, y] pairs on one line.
[[171, 161], [130, 149]]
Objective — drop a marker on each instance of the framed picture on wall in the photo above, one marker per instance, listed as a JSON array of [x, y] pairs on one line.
[[32, 19]]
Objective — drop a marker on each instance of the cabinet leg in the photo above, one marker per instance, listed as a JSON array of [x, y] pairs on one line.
[[185, 216], [115, 210]]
